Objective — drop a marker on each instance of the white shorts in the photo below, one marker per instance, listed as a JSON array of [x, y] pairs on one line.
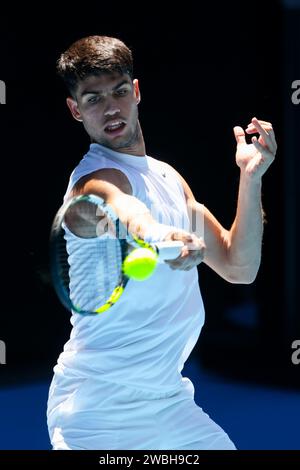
[[93, 414]]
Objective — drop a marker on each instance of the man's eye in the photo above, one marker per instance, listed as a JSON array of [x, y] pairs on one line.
[[122, 92], [94, 99]]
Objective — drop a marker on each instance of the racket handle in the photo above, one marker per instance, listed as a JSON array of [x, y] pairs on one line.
[[168, 250]]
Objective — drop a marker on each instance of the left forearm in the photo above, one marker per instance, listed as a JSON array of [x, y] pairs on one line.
[[245, 235]]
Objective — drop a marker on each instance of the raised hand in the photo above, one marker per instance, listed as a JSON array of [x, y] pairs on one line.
[[254, 159]]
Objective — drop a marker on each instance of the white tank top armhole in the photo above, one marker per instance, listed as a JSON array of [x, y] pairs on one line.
[[75, 178]]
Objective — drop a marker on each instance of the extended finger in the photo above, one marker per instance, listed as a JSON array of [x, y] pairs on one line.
[[253, 130], [270, 131], [239, 135], [273, 145], [263, 123], [267, 135], [265, 151], [181, 236]]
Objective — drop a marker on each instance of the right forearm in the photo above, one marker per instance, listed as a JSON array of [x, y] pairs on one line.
[[133, 213]]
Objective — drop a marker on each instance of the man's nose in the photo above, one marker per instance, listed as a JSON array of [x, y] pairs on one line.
[[112, 111], [111, 108]]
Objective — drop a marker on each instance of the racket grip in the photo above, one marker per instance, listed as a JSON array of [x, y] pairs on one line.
[[168, 250]]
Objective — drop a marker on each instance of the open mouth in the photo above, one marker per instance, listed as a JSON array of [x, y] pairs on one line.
[[114, 127]]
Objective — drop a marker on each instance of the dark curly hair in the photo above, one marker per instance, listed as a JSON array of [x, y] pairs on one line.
[[93, 55]]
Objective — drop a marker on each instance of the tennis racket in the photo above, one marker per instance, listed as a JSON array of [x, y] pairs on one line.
[[88, 245]]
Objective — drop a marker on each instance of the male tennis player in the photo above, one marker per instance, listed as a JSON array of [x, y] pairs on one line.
[[118, 382]]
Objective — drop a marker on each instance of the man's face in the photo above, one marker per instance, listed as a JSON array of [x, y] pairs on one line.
[[107, 106]]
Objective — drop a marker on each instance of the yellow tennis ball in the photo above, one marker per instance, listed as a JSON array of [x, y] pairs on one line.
[[140, 263]]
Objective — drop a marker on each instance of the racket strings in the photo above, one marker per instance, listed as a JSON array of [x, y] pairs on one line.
[[87, 263], [94, 268]]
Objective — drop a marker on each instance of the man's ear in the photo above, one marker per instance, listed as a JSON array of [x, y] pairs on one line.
[[73, 107], [137, 90]]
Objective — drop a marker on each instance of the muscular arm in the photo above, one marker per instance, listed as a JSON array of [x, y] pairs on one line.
[[113, 186], [233, 254]]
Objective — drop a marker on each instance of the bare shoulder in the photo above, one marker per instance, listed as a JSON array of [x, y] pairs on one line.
[[103, 182]]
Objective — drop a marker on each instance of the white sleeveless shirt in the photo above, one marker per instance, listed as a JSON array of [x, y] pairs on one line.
[[145, 338]]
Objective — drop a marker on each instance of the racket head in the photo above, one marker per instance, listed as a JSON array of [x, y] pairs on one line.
[[88, 244]]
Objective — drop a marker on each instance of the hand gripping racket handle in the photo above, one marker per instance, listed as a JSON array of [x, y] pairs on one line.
[[168, 250]]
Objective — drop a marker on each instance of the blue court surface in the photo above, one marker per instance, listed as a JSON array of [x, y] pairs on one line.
[[255, 417]]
